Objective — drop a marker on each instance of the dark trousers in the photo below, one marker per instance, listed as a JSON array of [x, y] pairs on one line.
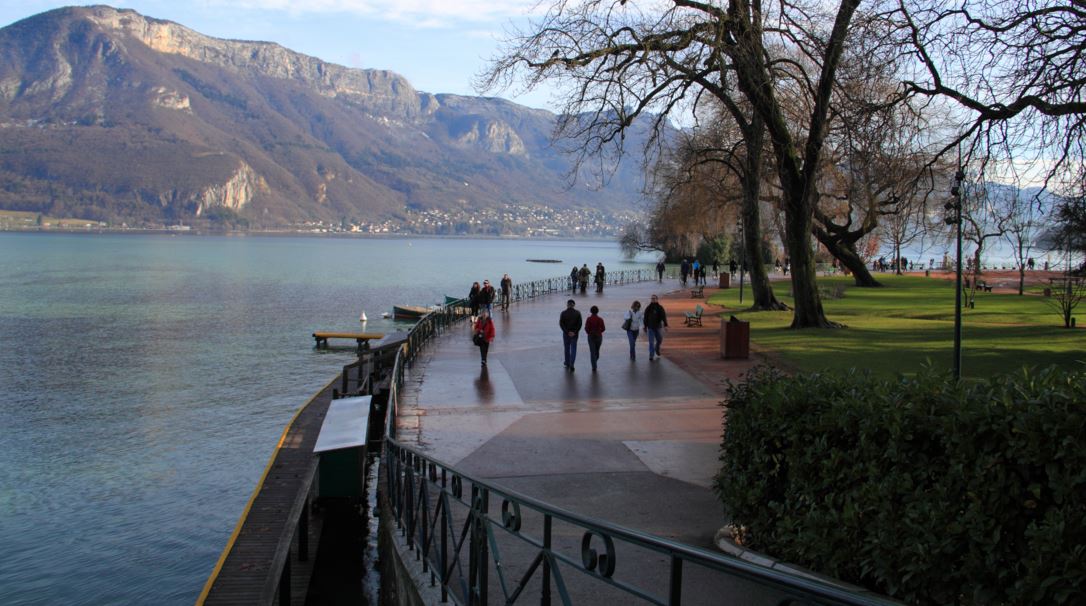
[[569, 345], [485, 347], [594, 342]]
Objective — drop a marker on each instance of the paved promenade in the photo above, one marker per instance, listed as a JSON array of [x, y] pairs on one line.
[[635, 443]]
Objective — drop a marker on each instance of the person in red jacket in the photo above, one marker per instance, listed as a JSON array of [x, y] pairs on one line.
[[484, 327], [594, 327]]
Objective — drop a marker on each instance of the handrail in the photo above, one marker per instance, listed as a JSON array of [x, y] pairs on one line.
[[426, 520]]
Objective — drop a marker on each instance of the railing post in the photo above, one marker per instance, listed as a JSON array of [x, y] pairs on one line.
[[284, 583], [545, 599], [675, 592]]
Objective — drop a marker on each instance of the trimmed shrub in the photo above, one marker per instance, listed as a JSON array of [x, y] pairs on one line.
[[925, 489]]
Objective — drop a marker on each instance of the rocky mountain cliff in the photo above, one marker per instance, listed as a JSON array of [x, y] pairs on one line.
[[106, 114]]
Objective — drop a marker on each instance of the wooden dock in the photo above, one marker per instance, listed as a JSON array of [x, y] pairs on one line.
[[362, 338]]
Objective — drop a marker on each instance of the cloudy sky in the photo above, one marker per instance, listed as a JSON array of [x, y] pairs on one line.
[[438, 45]]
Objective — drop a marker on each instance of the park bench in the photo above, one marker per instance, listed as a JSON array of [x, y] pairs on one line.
[[694, 318], [698, 292], [984, 286]]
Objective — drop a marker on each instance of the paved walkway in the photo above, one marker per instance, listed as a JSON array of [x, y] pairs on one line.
[[635, 443]]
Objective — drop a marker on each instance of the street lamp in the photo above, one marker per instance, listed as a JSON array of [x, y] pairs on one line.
[[743, 263], [954, 217]]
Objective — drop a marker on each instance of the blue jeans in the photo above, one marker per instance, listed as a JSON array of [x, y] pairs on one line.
[[569, 345], [594, 343], [632, 336], [656, 337]]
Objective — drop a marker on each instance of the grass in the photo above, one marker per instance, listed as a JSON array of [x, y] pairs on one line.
[[896, 329]]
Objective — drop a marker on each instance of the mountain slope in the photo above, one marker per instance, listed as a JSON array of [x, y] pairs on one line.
[[110, 115]]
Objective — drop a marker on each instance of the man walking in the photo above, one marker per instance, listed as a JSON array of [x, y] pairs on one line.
[[486, 297], [570, 321], [655, 322], [660, 270], [507, 288]]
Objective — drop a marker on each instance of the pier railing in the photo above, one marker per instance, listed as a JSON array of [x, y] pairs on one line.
[[476, 539]]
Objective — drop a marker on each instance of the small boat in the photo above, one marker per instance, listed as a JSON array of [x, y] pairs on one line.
[[363, 319], [461, 301], [544, 260], [409, 312]]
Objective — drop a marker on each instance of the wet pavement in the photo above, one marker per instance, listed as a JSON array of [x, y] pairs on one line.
[[635, 443]]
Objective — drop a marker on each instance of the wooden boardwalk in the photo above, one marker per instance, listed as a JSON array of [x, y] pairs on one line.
[[248, 572]]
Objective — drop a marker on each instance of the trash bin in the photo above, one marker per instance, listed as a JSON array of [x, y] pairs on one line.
[[735, 339], [725, 280]]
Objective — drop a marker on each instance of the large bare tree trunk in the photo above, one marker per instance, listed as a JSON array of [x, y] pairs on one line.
[[846, 253], [808, 311], [764, 299]]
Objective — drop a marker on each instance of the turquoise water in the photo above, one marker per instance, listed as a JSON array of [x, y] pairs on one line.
[[144, 381]]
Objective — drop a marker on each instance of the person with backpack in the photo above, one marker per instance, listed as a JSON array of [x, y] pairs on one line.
[[486, 297]]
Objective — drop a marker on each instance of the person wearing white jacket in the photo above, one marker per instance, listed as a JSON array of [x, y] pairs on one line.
[[631, 322]]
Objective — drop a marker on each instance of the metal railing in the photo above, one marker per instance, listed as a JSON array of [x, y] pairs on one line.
[[448, 519]]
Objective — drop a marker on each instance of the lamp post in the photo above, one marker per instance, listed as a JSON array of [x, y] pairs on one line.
[[954, 209], [743, 262]]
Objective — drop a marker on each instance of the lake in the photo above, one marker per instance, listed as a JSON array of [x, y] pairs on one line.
[[145, 380]]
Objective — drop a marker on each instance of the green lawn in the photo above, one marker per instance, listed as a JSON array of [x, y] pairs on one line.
[[896, 328]]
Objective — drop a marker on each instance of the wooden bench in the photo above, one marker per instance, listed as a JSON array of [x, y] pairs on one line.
[[984, 286], [362, 338], [698, 292], [694, 318]]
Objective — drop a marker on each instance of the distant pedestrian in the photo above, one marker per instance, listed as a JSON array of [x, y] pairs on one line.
[[684, 272], [484, 334], [583, 276], [716, 268], [1031, 263], [732, 267], [473, 300], [593, 329], [601, 277], [574, 279], [486, 296], [570, 322], [695, 268], [660, 267], [631, 323], [655, 322], [507, 291]]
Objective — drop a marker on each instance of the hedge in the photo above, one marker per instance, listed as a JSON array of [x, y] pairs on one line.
[[926, 489]]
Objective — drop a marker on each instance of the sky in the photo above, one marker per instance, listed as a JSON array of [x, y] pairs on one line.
[[438, 45]]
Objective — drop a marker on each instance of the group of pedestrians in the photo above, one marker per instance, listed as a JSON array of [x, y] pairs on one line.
[[579, 277], [481, 301], [695, 269], [653, 319]]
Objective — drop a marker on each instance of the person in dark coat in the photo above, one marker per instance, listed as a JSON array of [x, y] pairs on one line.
[[660, 267], [570, 322], [593, 328], [601, 277], [655, 323], [574, 278], [486, 296], [583, 277], [507, 291], [473, 300]]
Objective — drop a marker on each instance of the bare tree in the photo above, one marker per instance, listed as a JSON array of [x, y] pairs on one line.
[[1024, 221], [1013, 69], [982, 220], [619, 59]]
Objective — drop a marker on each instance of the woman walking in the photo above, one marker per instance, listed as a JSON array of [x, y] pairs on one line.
[[631, 323], [594, 327], [484, 334], [473, 300]]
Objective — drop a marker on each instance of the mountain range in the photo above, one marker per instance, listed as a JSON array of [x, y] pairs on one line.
[[108, 115]]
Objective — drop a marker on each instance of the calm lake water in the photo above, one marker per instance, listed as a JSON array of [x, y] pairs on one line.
[[144, 381]]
